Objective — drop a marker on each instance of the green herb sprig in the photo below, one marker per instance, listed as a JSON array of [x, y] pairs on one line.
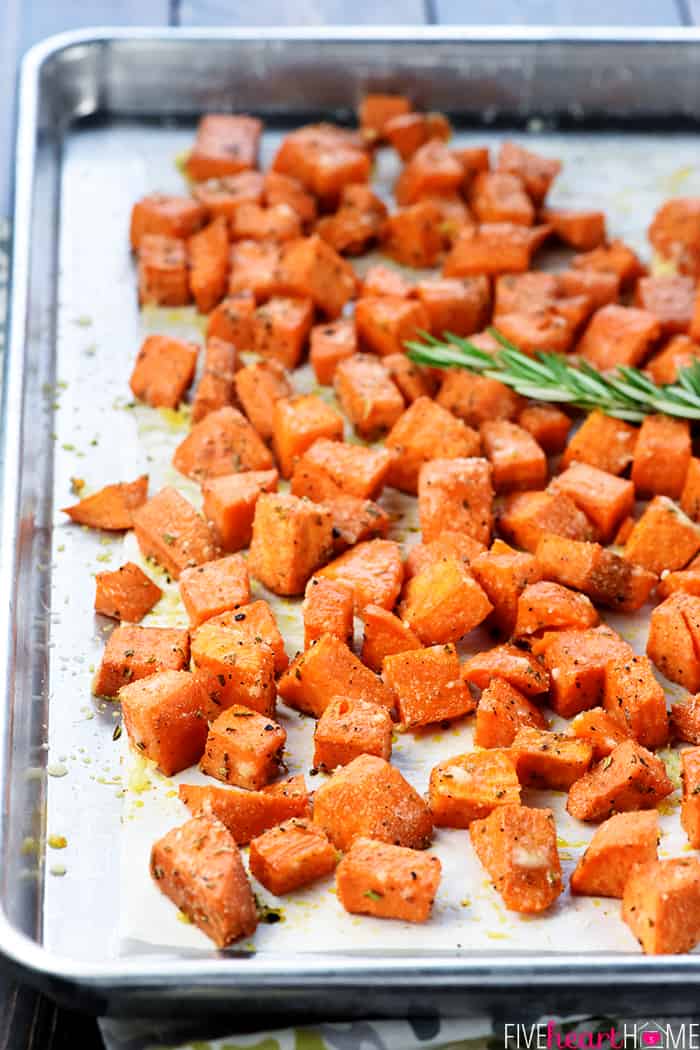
[[625, 393]]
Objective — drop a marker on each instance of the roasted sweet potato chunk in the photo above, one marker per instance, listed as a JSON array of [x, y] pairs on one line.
[[619, 335], [384, 325], [259, 386], [165, 716], [536, 172], [134, 652], [661, 456], [518, 847], [603, 575], [327, 609], [374, 570], [209, 262], [604, 498], [602, 442], [685, 720], [125, 594], [456, 494], [330, 344], [241, 671], [690, 804], [427, 686], [297, 422], [311, 269], [328, 669], [243, 748], [674, 639], [449, 544], [214, 587], [367, 395], [163, 274], [664, 538], [547, 424], [503, 574], [248, 814], [426, 431], [216, 387], [469, 787], [229, 505], [384, 635], [476, 399], [621, 842], [412, 235], [329, 468], [548, 606], [616, 258], [675, 233], [549, 760], [526, 517], [582, 230], [281, 329], [517, 461], [254, 624], [502, 712], [163, 370], [291, 539], [224, 145], [111, 508], [164, 214], [493, 248], [290, 856], [170, 531], [661, 905], [351, 727], [223, 442], [633, 697], [576, 661], [443, 602], [518, 667], [388, 881], [630, 778]]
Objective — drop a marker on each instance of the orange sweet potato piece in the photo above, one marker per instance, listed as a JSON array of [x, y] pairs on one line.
[[384, 635], [385, 324], [690, 496], [522, 292], [165, 716], [163, 370], [674, 639], [255, 269], [407, 132], [601, 287], [329, 468], [370, 799], [687, 581], [527, 516], [290, 856], [663, 538], [661, 904], [412, 235], [209, 261], [330, 344], [224, 442], [476, 399], [602, 442], [327, 609], [634, 698], [255, 624], [456, 305], [493, 248], [276, 222], [670, 298], [433, 169], [518, 847], [427, 686], [630, 778], [576, 661], [582, 230], [690, 804], [501, 713], [537, 172], [367, 395], [675, 233], [224, 196], [503, 575], [546, 606], [385, 280], [125, 594], [412, 379], [443, 602], [247, 814], [164, 214], [355, 521], [357, 222], [224, 145], [469, 787], [426, 431], [281, 329], [348, 728], [601, 731], [291, 539], [111, 508], [533, 330], [283, 189], [516, 666], [243, 748], [325, 158], [216, 386], [603, 575], [199, 868], [456, 493], [258, 386], [170, 531], [376, 109], [549, 760], [311, 269], [373, 569], [499, 196], [661, 457], [388, 881], [473, 159], [328, 669], [163, 274], [229, 505], [604, 498], [516, 459], [240, 670], [448, 544], [619, 335], [547, 424], [620, 843], [297, 422], [615, 258], [134, 652], [214, 587]]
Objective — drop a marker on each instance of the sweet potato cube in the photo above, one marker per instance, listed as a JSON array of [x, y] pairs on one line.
[[619, 335], [502, 712], [547, 424], [527, 516], [328, 669], [245, 813], [518, 847], [224, 145], [290, 856], [518, 667], [633, 697], [369, 798], [604, 498], [685, 720], [291, 539], [243, 748], [630, 778], [546, 606], [111, 508], [384, 635], [426, 431], [255, 268], [503, 574], [498, 196], [216, 386], [456, 493], [674, 640], [277, 222], [679, 352], [348, 728], [329, 468], [255, 623], [281, 329], [661, 905], [536, 172], [387, 881], [576, 661], [690, 804], [330, 344], [165, 214], [259, 386], [493, 248], [602, 442], [670, 298], [661, 457], [600, 286], [208, 252], [475, 399], [675, 233], [616, 258], [241, 671], [325, 158], [469, 787], [603, 575], [163, 274], [458, 545], [214, 587], [170, 531], [411, 236], [620, 843], [601, 731], [223, 442], [367, 395], [384, 325], [582, 230], [199, 868], [373, 569], [459, 306], [355, 520], [224, 196], [165, 716], [407, 132], [125, 594], [517, 461], [376, 109], [311, 269], [297, 422], [433, 169], [549, 760], [163, 371], [664, 538], [427, 686], [544, 329], [385, 280], [690, 496], [229, 505], [284, 189], [327, 609], [134, 652], [443, 602], [357, 222]]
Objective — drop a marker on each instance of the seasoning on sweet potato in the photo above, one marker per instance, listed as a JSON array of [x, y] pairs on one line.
[[407, 132], [330, 344], [582, 230], [367, 395], [630, 778], [384, 635], [214, 587], [232, 321], [619, 335], [290, 856], [283, 189], [258, 386], [170, 531], [165, 716], [224, 145], [600, 287], [499, 196], [297, 422], [373, 569], [311, 269], [516, 459], [502, 712], [493, 248], [111, 508], [255, 624], [601, 731], [355, 520], [620, 843], [503, 575], [248, 814], [687, 580], [661, 905], [163, 370], [243, 748], [324, 158], [426, 431], [351, 727], [165, 214], [277, 222], [605, 499], [134, 652], [229, 505], [433, 169], [329, 468], [536, 172], [356, 224], [456, 305], [443, 602], [598, 572], [547, 424], [661, 456], [447, 544], [370, 799], [328, 669], [216, 386], [690, 804], [663, 538], [526, 516], [516, 666], [223, 196], [469, 787], [670, 298], [549, 760], [126, 594], [675, 233], [163, 274], [576, 661], [412, 235], [385, 324], [456, 493], [602, 442], [690, 495], [240, 670], [535, 330], [381, 280], [199, 868], [615, 258], [634, 698], [427, 686], [388, 881], [208, 252], [291, 539], [476, 399], [546, 606], [413, 380], [255, 268], [376, 109], [518, 847], [674, 640], [327, 609], [281, 329]]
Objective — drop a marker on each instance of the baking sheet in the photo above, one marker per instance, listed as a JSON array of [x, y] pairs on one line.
[[106, 803]]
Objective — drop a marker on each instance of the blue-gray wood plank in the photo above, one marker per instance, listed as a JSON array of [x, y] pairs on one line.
[[559, 12], [303, 12]]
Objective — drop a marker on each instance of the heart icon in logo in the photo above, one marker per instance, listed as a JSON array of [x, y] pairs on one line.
[[651, 1038]]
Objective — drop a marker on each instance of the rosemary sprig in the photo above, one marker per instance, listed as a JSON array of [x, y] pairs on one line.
[[626, 393]]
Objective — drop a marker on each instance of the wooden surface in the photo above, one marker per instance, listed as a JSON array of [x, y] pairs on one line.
[[27, 1020]]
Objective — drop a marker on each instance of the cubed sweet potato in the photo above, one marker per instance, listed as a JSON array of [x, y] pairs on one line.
[[443, 602], [661, 905], [536, 172], [384, 635], [111, 508], [385, 324], [255, 268], [633, 697], [328, 468], [407, 132], [165, 716], [327, 609], [388, 881], [604, 576], [456, 305], [690, 804], [456, 494], [503, 574], [582, 230], [600, 286], [351, 727], [383, 280], [170, 531], [229, 505], [604, 498], [245, 813], [687, 580], [448, 544], [367, 395], [328, 669], [224, 442], [548, 425], [663, 538], [376, 109], [502, 712], [311, 269], [619, 335], [291, 539], [674, 639], [685, 720], [223, 196], [576, 661], [373, 569], [549, 760], [621, 842], [517, 461], [630, 778], [276, 222], [281, 329], [297, 422], [134, 652], [476, 399], [518, 667], [255, 623], [163, 371], [258, 386], [426, 431], [546, 606], [427, 686], [284, 189], [243, 748], [163, 274], [224, 145], [216, 385], [241, 670], [527, 516], [214, 587], [330, 344], [601, 731], [208, 252], [126, 594], [354, 227], [411, 236], [670, 298], [518, 847], [675, 233], [493, 248], [413, 380], [499, 196], [165, 214], [469, 787], [690, 496], [616, 258], [290, 856], [661, 456], [602, 442], [433, 168], [325, 158], [545, 329]]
